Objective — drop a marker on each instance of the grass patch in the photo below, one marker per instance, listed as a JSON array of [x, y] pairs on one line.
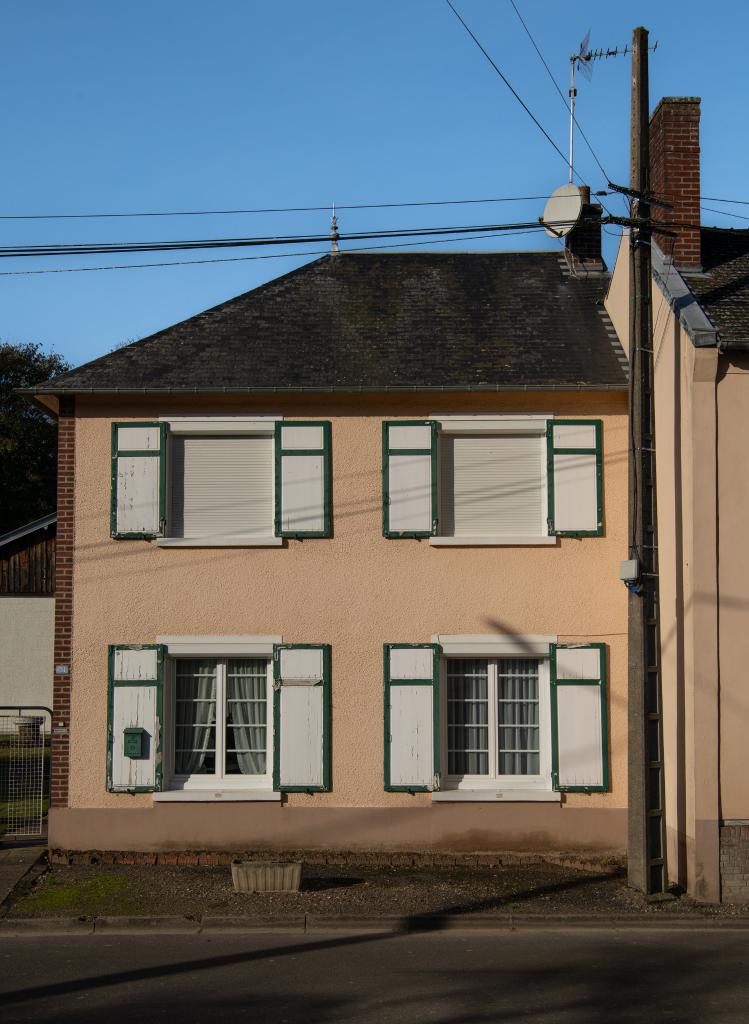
[[102, 894]]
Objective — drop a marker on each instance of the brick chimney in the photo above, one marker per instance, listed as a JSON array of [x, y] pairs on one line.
[[583, 243], [675, 175]]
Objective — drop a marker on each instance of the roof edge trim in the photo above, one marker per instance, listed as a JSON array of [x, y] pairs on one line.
[[683, 301], [324, 390], [32, 527]]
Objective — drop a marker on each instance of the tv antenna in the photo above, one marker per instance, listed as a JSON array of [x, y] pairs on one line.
[[583, 61]]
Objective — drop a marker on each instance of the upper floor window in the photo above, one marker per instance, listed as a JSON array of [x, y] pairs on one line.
[[492, 479], [221, 486], [492, 485], [211, 480]]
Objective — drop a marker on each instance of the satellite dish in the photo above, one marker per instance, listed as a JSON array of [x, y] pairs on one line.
[[562, 211]]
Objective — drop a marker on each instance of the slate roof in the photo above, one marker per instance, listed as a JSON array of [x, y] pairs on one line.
[[723, 290], [370, 321]]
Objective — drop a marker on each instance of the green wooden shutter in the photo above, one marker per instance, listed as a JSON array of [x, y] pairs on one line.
[[409, 478], [303, 479], [575, 478], [412, 717], [135, 706], [579, 733], [301, 718], [138, 509]]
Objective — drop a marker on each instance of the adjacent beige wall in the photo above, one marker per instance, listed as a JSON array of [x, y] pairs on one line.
[[733, 574], [27, 630], [686, 416], [356, 591]]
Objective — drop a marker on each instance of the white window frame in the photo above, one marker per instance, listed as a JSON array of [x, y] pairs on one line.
[[507, 788], [227, 426], [496, 426], [205, 788]]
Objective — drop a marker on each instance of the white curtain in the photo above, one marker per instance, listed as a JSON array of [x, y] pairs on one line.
[[246, 715], [196, 717]]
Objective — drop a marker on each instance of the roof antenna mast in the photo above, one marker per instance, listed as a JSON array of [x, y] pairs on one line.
[[334, 236], [583, 60]]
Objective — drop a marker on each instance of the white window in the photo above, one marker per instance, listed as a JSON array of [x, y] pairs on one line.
[[496, 717], [492, 480], [220, 723], [221, 486], [492, 485]]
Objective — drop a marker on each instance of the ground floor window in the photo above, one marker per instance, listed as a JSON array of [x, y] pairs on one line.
[[221, 722], [497, 721]]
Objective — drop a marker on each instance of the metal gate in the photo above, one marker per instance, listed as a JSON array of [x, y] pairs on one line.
[[24, 771]]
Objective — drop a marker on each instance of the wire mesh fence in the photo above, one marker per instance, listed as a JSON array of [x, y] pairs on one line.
[[24, 773]]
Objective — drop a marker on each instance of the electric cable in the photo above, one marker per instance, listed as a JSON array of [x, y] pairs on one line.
[[74, 249], [269, 209], [559, 90], [243, 259], [509, 85]]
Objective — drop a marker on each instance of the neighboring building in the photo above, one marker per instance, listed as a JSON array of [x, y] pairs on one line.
[[701, 354], [27, 613], [338, 565]]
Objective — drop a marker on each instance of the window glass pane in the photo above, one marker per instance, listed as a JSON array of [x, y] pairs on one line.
[[221, 486], [467, 717], [491, 485], [195, 717], [246, 716], [517, 717]]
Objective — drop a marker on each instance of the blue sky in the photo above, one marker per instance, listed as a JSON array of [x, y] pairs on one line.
[[186, 105]]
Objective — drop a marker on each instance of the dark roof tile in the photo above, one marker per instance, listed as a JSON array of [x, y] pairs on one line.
[[382, 321]]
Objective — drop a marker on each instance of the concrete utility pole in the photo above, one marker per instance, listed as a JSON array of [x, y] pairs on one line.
[[646, 840]]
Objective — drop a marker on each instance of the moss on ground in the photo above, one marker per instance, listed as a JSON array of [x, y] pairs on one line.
[[102, 894]]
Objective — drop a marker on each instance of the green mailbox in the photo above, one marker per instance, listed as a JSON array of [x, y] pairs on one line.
[[134, 743]]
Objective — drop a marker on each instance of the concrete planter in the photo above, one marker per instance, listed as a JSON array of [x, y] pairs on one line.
[[266, 876]]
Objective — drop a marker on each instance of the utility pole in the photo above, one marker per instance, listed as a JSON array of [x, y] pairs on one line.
[[646, 838]]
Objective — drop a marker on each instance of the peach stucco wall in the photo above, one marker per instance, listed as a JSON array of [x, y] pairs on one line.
[[355, 591]]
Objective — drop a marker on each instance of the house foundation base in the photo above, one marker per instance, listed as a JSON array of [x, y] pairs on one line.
[[239, 827]]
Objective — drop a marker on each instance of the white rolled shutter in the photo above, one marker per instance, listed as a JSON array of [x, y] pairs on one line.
[[136, 688], [575, 482], [412, 757], [579, 717], [138, 480], [303, 479], [409, 468], [301, 717]]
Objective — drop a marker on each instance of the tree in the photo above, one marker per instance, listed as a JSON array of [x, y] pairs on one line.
[[28, 437]]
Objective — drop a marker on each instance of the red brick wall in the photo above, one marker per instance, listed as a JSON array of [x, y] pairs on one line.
[[675, 174], [63, 603]]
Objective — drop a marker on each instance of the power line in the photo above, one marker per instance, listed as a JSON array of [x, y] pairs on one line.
[[269, 209], [77, 249], [714, 199], [725, 213], [559, 90], [509, 85], [243, 259]]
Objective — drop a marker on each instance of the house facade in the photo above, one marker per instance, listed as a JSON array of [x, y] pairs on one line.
[[701, 357], [338, 566]]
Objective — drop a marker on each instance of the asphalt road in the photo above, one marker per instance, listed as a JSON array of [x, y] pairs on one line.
[[580, 977]]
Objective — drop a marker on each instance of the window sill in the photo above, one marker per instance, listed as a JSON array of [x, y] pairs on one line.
[[465, 542], [219, 542], [214, 795], [497, 796]]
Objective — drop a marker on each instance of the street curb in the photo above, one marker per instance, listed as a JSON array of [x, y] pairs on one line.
[[238, 925], [46, 926], [321, 923], [162, 925]]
